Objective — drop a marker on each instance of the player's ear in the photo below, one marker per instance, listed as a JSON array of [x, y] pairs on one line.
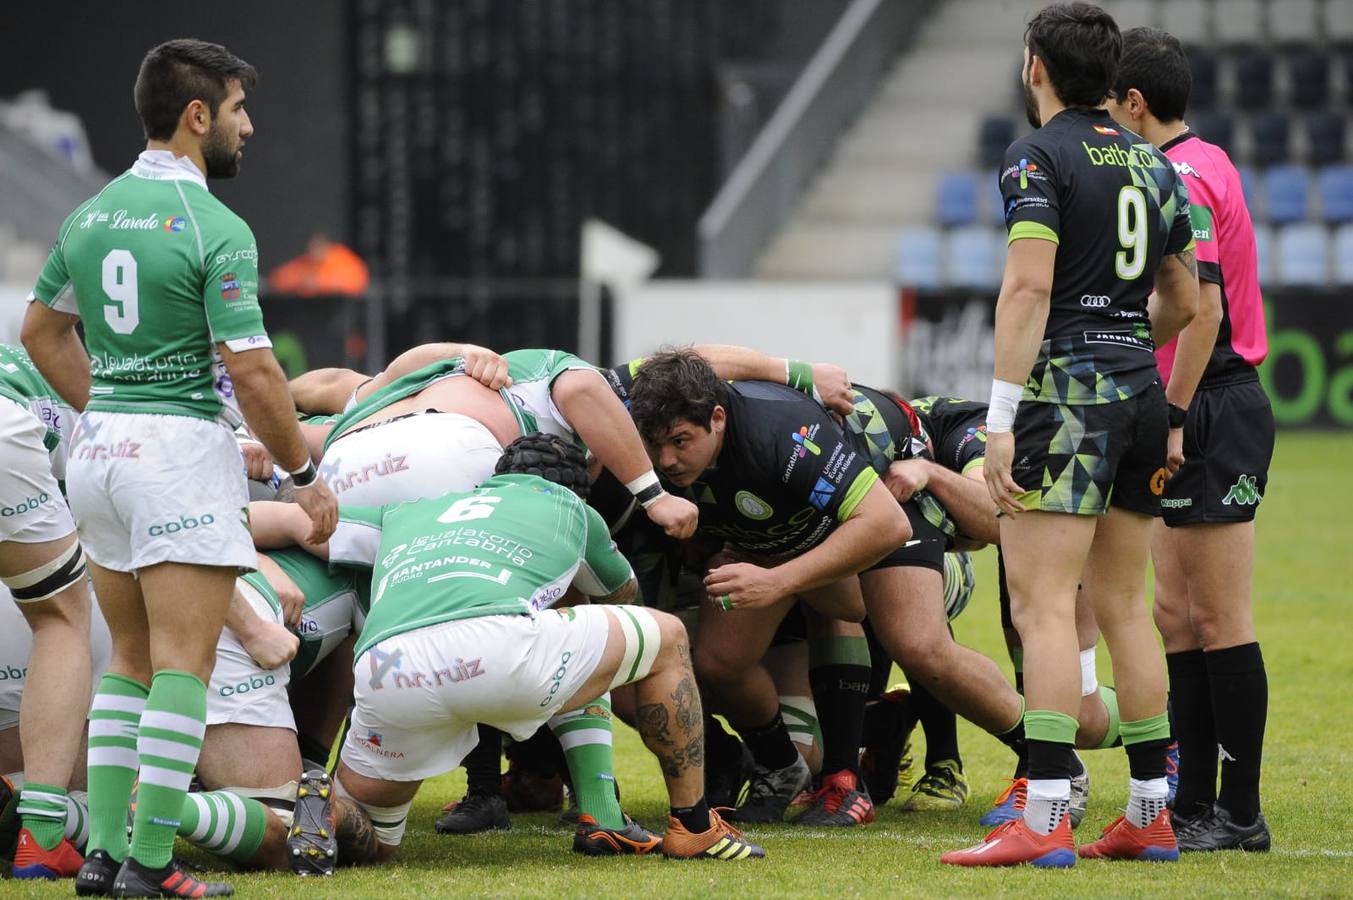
[[717, 418], [1136, 103], [196, 118]]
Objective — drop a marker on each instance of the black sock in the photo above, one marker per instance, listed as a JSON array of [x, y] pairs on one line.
[[939, 724], [840, 692], [770, 744], [694, 819], [1240, 709], [1191, 724], [483, 769], [1049, 759], [1147, 759], [721, 748], [880, 663]]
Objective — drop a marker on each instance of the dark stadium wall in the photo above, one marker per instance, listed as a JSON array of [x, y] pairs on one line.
[[85, 55]]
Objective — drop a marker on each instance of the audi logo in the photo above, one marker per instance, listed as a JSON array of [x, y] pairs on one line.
[[1095, 302]]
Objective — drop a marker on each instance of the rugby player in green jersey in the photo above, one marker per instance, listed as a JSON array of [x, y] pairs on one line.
[[462, 630], [163, 277], [42, 566]]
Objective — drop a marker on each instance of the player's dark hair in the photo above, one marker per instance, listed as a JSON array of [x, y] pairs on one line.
[[180, 71], [547, 456], [1155, 64], [1080, 46], [672, 387]]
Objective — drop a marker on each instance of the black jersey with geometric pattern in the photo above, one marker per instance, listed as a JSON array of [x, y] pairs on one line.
[[1115, 207]]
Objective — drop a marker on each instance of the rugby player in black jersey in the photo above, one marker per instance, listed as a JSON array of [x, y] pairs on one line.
[[796, 496], [1096, 217]]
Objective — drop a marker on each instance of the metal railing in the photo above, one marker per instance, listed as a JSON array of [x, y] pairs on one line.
[[766, 185]]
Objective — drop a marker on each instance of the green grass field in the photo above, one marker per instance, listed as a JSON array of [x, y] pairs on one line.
[[1304, 568]]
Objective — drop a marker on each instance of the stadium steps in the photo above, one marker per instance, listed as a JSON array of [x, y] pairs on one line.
[[922, 120]]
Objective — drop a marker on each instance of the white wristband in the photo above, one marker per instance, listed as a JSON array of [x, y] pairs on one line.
[[646, 489], [1004, 402]]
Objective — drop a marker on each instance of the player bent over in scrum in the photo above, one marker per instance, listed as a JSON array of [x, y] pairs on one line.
[[461, 631]]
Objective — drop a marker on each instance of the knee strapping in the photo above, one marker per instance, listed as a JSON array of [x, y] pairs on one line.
[[387, 821], [281, 799], [643, 640], [48, 579], [800, 718], [1089, 680]]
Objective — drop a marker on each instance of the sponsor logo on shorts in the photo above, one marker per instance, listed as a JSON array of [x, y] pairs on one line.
[[752, 506], [1158, 482], [175, 224], [123, 449], [13, 673], [375, 742], [557, 679], [1245, 492], [183, 523], [342, 481], [27, 505], [1095, 301], [1177, 503], [254, 683], [230, 286]]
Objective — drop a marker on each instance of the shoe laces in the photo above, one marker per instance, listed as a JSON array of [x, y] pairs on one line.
[[1017, 786], [474, 802], [940, 777], [729, 829]]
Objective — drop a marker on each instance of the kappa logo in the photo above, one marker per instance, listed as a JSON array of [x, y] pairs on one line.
[[1245, 492]]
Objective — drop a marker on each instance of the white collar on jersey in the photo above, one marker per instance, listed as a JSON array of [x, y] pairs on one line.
[[163, 165]]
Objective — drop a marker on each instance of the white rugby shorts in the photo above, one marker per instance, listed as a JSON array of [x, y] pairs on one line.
[[148, 489], [16, 646], [421, 695], [32, 509], [417, 457], [241, 691]]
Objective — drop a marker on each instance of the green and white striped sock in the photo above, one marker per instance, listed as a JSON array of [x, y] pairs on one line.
[[77, 819], [585, 735], [42, 810], [168, 744], [225, 824], [114, 720]]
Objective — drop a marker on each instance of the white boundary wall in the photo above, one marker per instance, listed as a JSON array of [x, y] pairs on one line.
[[855, 324]]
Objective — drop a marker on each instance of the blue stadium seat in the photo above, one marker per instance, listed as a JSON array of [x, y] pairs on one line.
[[995, 212], [1249, 185], [956, 199], [1335, 186], [1286, 189], [1263, 250], [1310, 79], [1343, 254], [993, 136], [1203, 69], [1303, 255], [1271, 133], [1254, 80], [976, 256], [919, 258], [1325, 132], [1215, 128]]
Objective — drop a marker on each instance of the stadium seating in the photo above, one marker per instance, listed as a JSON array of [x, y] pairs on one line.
[[975, 257], [1238, 22], [1216, 128], [1302, 255], [1335, 187], [956, 199], [993, 136], [1343, 254], [1293, 21], [1249, 185], [919, 258], [1270, 133], [1338, 21], [1286, 193], [1186, 20], [1253, 79], [1309, 74], [1263, 251], [1325, 137], [1203, 71]]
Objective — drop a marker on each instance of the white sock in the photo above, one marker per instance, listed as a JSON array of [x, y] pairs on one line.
[[1049, 800], [1146, 799], [1089, 682]]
